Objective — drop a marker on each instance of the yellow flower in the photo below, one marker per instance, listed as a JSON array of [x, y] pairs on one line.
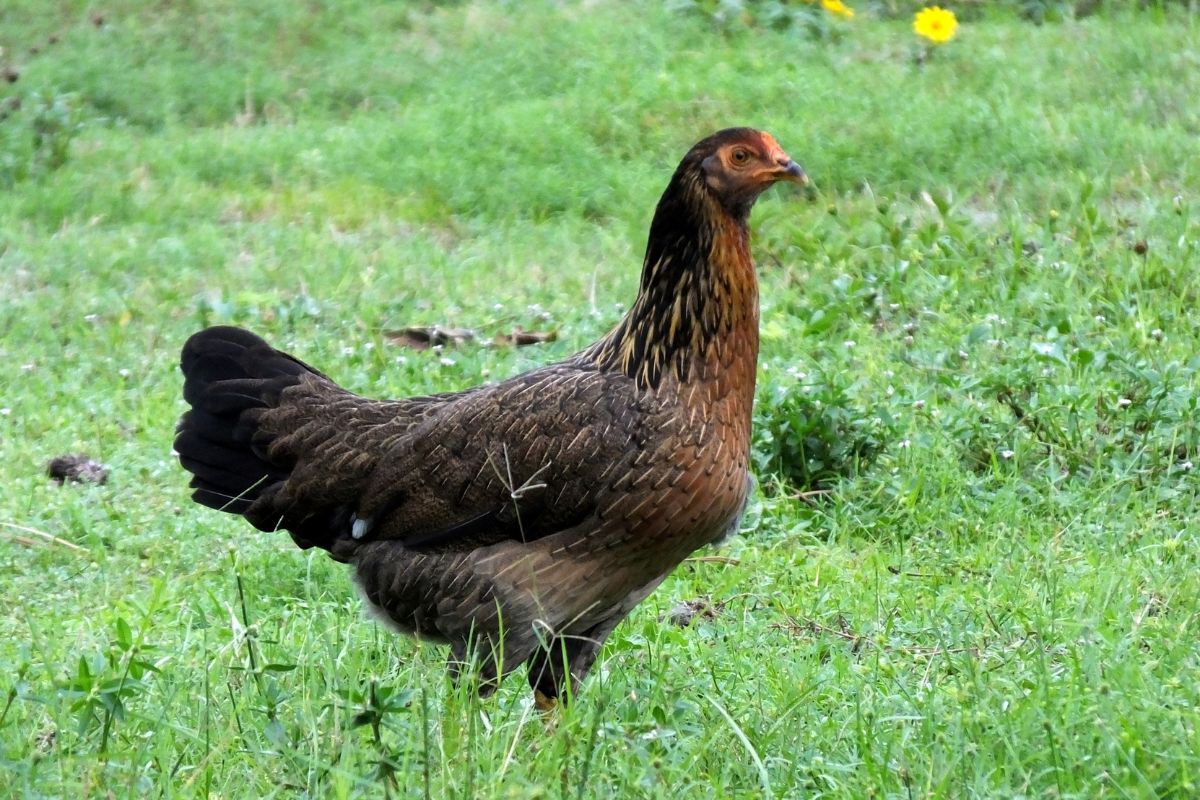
[[838, 7], [935, 24]]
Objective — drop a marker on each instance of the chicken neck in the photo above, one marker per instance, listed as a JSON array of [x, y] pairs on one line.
[[696, 313]]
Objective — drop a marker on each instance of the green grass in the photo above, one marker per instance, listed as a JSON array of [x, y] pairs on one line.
[[1005, 602]]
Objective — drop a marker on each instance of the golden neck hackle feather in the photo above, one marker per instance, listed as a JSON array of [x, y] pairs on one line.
[[697, 305]]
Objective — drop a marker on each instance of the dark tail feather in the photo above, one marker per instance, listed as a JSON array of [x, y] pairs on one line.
[[230, 377]]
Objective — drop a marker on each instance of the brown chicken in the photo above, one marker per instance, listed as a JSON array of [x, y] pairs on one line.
[[518, 522]]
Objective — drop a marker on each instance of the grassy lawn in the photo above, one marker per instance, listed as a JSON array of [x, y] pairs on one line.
[[993, 290]]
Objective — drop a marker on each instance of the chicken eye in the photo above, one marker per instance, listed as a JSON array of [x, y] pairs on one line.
[[741, 156]]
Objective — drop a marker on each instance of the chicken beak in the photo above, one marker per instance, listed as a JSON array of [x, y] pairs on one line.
[[792, 173]]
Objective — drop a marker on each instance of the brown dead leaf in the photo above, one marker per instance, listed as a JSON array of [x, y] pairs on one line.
[[76, 468], [421, 338], [685, 612], [523, 338]]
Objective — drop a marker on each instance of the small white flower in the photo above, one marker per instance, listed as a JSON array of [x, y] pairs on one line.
[[1156, 334], [369, 346], [28, 367], [447, 362], [347, 351], [849, 343], [891, 390], [401, 359], [1124, 402], [1185, 466], [92, 318], [4, 412], [918, 404], [498, 307], [1100, 318], [962, 355], [124, 373], [1007, 454], [905, 444]]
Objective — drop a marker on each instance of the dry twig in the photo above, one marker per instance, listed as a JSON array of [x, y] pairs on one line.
[[50, 538]]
